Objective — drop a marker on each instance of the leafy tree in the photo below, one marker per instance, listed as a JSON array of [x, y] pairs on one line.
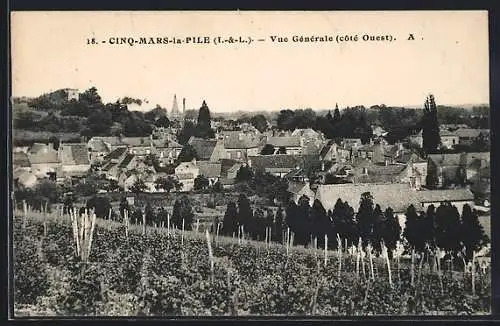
[[365, 217], [259, 121], [150, 214], [379, 228], [321, 223], [200, 182], [345, 224], [245, 214], [230, 222], [187, 154], [124, 206], [55, 141], [91, 98], [413, 229], [101, 206], [430, 126], [183, 210], [336, 114], [447, 224], [281, 150], [138, 186], [162, 122], [204, 129], [188, 131], [277, 231], [472, 233], [217, 187], [244, 174], [303, 228], [393, 230], [168, 183], [267, 150]]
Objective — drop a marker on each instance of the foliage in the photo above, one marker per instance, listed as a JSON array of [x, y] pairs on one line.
[[430, 126], [201, 182], [187, 154], [268, 150], [168, 183], [153, 275], [183, 210], [138, 186], [203, 127]]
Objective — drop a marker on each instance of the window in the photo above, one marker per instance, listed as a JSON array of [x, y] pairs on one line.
[[238, 154]]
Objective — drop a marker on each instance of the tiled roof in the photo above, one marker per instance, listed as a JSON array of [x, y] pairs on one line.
[[203, 147], [446, 133], [470, 133], [36, 147], [108, 166], [296, 187], [126, 160], [160, 143], [279, 161], [446, 159], [285, 141], [113, 140], [45, 156], [397, 196], [378, 173], [308, 132], [25, 178], [458, 159], [74, 154], [185, 176], [210, 170], [326, 148], [409, 157], [116, 154], [239, 140], [20, 159], [136, 141], [97, 145]]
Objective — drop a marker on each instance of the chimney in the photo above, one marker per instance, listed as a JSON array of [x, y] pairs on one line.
[[183, 106]]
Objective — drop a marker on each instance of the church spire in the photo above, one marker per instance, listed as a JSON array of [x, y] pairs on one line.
[[175, 108]]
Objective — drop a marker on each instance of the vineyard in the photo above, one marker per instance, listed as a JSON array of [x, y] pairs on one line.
[[132, 270]]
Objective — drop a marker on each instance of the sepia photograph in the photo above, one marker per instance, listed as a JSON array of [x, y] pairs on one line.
[[180, 164]]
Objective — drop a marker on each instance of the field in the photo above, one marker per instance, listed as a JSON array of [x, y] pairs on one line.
[[161, 274]]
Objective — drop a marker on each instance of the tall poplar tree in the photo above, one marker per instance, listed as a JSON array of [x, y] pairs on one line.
[[430, 126], [204, 128]]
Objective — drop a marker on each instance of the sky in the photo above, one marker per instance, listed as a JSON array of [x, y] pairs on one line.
[[449, 58]]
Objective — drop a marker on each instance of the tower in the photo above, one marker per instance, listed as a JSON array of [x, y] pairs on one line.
[[183, 111], [174, 113]]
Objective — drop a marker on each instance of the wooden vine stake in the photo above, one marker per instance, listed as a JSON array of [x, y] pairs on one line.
[[182, 232], [412, 268], [326, 249], [127, 223], [369, 248], [144, 222], [25, 211], [385, 254], [358, 256], [83, 234], [210, 254], [197, 224], [287, 241], [168, 224], [44, 220], [339, 254], [473, 273]]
